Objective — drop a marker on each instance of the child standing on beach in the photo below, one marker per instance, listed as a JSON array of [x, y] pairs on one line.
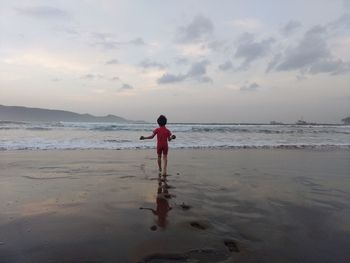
[[163, 136]]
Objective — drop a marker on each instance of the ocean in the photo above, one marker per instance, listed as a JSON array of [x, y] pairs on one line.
[[69, 135]]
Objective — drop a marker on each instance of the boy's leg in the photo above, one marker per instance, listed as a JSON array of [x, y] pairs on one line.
[[160, 162], [165, 160]]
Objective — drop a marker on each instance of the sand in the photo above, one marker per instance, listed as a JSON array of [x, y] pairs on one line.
[[215, 206]]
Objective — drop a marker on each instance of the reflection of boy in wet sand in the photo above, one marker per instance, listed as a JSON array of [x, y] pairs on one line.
[[163, 136], [162, 210], [163, 206]]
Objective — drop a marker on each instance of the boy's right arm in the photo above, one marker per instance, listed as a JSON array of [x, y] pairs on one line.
[[147, 137]]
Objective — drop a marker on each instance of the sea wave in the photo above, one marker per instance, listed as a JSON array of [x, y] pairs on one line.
[[38, 129], [218, 147], [178, 128], [63, 135], [12, 122]]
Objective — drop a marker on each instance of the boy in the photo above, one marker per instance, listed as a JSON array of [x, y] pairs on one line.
[[163, 136]]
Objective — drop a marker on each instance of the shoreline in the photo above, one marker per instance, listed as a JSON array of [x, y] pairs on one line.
[[316, 148]]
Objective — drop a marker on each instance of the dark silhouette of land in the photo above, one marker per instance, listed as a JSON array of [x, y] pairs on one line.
[[18, 113]]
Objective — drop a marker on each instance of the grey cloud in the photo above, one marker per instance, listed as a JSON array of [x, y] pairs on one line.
[[249, 50], [272, 64], [181, 61], [104, 40], [197, 72], [112, 62], [151, 64], [311, 55], [346, 4], [332, 66], [42, 11], [108, 41], [92, 76], [218, 45], [290, 27], [137, 42], [88, 76], [115, 79], [309, 51], [250, 87], [301, 77], [226, 66], [205, 79], [342, 22], [125, 87], [198, 69], [170, 78], [199, 29]]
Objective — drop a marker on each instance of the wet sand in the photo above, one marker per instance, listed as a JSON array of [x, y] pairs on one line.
[[214, 206]]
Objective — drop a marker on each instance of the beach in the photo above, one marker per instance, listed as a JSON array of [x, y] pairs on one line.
[[217, 205]]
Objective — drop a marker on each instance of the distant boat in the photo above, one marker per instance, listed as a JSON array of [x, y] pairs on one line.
[[346, 121], [302, 122]]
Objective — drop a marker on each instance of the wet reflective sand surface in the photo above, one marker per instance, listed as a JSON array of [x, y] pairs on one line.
[[214, 206]]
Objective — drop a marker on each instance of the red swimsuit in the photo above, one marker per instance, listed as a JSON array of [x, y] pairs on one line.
[[163, 134]]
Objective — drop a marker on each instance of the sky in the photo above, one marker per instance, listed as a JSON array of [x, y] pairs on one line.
[[194, 61]]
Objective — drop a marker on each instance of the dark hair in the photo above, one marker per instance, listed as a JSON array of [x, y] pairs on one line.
[[162, 120]]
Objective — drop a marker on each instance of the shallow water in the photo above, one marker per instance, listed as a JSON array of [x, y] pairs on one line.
[[226, 206]]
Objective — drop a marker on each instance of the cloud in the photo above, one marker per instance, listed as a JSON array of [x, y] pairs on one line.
[[226, 66], [272, 64], [312, 54], [194, 50], [151, 64], [181, 61], [170, 78], [108, 41], [42, 12], [311, 49], [126, 87], [290, 27], [217, 45], [115, 79], [197, 71], [112, 62], [137, 42], [332, 66], [198, 30], [342, 23], [92, 76], [251, 87], [249, 50], [346, 4]]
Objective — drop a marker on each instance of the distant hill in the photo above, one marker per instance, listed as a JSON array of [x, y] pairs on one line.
[[17, 113]]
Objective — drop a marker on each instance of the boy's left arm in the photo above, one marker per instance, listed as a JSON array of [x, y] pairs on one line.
[[172, 137]]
